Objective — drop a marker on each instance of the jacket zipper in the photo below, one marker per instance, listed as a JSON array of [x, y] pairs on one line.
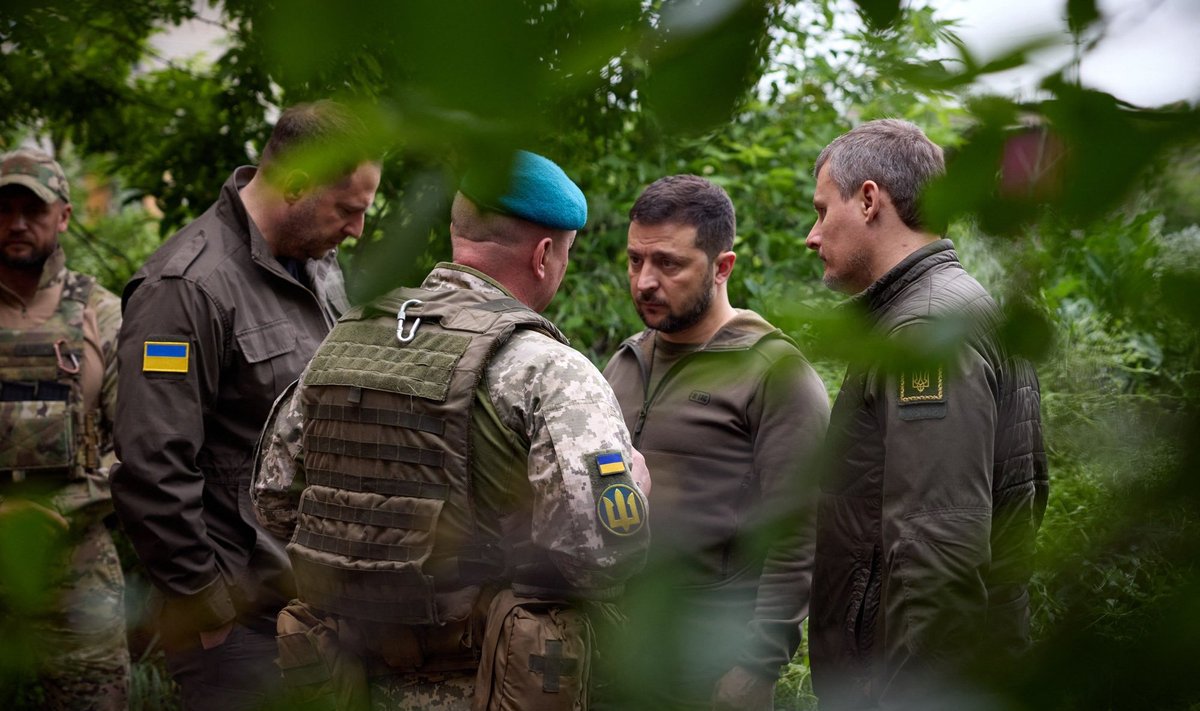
[[648, 397]]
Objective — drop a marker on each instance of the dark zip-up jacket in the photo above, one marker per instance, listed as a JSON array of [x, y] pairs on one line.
[[926, 522], [186, 439], [729, 435]]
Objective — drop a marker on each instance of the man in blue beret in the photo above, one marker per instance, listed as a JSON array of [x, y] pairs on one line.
[[457, 484]]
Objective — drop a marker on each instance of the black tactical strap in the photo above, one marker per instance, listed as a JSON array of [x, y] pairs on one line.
[[375, 450], [357, 549], [40, 391], [380, 595], [553, 666], [32, 350], [375, 416], [368, 516], [377, 485]]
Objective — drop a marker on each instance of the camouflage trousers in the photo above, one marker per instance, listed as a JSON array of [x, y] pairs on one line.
[[84, 658], [446, 692]]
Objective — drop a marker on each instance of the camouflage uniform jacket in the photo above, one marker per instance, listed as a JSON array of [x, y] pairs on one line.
[[731, 433], [84, 662], [97, 372], [937, 486], [215, 329], [556, 407]]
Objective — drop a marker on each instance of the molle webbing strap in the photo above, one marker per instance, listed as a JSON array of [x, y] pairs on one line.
[[472, 565], [375, 416], [381, 595], [370, 516], [377, 485], [365, 354], [375, 450], [394, 552], [38, 391], [33, 349]]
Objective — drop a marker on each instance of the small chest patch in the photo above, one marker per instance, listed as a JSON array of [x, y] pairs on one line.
[[621, 510], [169, 357], [923, 394], [609, 463], [700, 396], [927, 385]]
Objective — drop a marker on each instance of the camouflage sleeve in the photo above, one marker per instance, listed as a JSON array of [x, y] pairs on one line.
[[586, 511], [108, 321], [278, 477]]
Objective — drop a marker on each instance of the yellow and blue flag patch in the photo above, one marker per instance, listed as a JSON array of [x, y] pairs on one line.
[[166, 357], [609, 463]]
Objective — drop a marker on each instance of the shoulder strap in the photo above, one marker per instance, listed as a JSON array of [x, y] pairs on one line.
[[78, 287]]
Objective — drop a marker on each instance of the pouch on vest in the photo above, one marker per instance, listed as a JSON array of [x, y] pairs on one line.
[[37, 434], [536, 657], [43, 427], [318, 671]]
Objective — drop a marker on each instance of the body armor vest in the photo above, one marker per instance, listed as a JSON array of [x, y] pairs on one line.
[[44, 429], [388, 529]]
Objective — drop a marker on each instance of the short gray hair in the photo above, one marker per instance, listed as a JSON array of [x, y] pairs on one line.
[[896, 154]]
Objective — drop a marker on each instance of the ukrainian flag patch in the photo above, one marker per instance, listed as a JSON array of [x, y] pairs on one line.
[[610, 463], [166, 357]]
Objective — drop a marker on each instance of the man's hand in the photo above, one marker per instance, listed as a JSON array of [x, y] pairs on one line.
[[640, 474], [742, 690], [217, 637]]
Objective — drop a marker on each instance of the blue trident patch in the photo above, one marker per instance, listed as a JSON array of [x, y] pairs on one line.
[[620, 510]]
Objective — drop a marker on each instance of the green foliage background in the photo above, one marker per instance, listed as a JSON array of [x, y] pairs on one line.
[[1094, 258]]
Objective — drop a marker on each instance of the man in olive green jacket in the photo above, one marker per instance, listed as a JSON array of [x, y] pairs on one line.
[[729, 416], [926, 521]]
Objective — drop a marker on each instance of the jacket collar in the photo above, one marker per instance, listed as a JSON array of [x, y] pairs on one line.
[[448, 275], [876, 296], [232, 211]]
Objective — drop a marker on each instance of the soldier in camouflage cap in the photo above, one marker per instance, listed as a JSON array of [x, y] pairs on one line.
[[58, 386], [460, 467]]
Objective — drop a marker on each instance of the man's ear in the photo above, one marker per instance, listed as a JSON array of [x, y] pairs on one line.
[[724, 263], [65, 220], [295, 185], [540, 251], [871, 200]]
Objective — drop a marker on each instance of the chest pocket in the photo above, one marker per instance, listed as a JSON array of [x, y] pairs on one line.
[[271, 361], [266, 341]]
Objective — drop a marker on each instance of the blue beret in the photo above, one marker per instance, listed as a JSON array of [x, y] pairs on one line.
[[538, 191]]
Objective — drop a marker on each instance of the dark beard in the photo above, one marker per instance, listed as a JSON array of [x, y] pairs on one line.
[[32, 263], [674, 323]]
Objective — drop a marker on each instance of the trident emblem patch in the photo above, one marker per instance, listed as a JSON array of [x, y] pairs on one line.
[[922, 386], [620, 510]]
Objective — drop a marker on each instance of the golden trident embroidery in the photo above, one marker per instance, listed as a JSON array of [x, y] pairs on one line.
[[621, 510], [920, 380]]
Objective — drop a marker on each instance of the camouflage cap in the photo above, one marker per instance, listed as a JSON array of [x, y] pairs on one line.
[[34, 169]]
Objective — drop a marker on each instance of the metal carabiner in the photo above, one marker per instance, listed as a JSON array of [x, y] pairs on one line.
[[400, 335], [69, 368]]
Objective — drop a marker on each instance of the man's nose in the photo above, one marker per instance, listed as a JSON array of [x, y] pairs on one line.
[[813, 240], [647, 280], [354, 227]]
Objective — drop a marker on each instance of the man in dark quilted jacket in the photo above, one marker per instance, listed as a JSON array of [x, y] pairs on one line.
[[937, 485]]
